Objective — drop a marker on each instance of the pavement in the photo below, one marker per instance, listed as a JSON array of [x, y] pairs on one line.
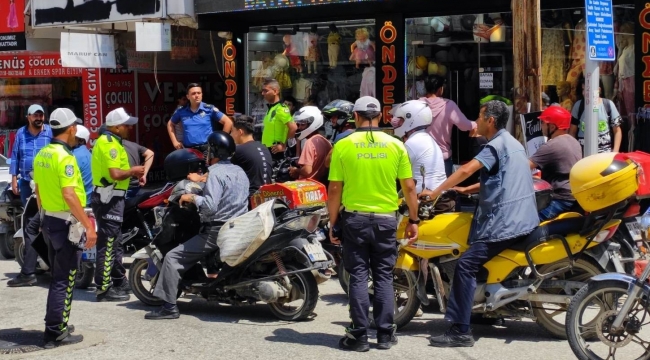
[[207, 330]]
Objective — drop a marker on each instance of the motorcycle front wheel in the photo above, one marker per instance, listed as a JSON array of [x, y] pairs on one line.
[[302, 298], [343, 275], [138, 279], [590, 316], [19, 251]]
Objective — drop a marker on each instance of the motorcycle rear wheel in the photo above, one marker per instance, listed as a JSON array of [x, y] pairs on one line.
[[306, 284], [404, 283], [583, 270], [344, 276], [590, 342], [137, 272], [7, 245], [19, 251]]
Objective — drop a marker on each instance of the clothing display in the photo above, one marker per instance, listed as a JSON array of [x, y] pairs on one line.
[[12, 18], [368, 82], [577, 56], [553, 55], [302, 89], [625, 76], [333, 48], [313, 54]]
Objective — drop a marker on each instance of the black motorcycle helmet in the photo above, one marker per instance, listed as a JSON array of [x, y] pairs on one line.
[[182, 162], [222, 145], [340, 108]]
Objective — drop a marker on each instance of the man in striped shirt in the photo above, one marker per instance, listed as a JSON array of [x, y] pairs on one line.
[[30, 139]]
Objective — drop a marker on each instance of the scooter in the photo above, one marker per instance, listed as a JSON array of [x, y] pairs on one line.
[[277, 269], [10, 209]]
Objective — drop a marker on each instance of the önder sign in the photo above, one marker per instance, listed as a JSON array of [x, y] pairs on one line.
[[388, 35]]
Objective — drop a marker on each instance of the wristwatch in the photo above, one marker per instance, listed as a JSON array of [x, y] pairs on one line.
[[415, 222]]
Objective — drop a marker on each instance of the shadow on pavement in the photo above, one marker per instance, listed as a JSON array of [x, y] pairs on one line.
[[335, 299], [311, 339]]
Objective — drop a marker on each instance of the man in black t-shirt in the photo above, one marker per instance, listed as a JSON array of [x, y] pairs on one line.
[[253, 157], [138, 155]]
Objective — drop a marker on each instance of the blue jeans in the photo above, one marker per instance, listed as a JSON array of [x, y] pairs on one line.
[[449, 166], [25, 190], [555, 208], [132, 192]]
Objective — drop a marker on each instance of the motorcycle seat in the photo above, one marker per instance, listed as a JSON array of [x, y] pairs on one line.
[[134, 201], [543, 233]]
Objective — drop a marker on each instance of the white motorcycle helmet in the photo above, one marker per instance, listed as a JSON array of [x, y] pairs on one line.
[[83, 133], [411, 115], [310, 115]]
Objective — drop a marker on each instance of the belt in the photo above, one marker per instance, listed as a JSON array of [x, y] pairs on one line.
[[118, 193], [213, 223], [373, 214], [63, 215]]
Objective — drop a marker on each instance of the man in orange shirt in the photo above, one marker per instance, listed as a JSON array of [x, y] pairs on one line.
[[312, 159]]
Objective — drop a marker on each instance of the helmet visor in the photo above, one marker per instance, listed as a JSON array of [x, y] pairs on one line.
[[397, 122]]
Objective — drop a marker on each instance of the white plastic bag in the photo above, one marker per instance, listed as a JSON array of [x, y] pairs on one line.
[[241, 236]]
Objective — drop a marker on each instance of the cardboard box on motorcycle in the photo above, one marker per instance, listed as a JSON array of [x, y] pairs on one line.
[[296, 194]]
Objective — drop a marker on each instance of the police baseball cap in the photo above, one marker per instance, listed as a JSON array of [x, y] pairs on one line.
[[35, 108], [120, 117], [62, 118], [367, 103]]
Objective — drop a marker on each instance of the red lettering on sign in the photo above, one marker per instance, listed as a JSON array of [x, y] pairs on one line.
[[231, 87], [230, 69], [390, 74], [643, 17], [388, 94], [230, 106], [646, 63], [646, 91], [388, 54]]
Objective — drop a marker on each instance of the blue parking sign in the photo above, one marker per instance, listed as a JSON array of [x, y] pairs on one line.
[[600, 30]]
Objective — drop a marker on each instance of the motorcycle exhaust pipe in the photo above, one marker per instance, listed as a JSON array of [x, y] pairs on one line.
[[266, 291]]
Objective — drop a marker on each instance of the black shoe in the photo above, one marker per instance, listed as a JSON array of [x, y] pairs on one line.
[[68, 340], [22, 280], [113, 295], [386, 341], [349, 342], [125, 287], [70, 329], [453, 338], [163, 313]]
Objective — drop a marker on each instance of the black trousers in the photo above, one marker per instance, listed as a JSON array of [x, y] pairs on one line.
[[30, 231], [64, 258], [369, 243], [109, 268]]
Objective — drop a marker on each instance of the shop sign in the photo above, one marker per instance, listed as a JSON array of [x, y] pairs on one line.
[[533, 136], [486, 81], [234, 5], [35, 65], [92, 95], [126, 57], [388, 35], [153, 36], [157, 103], [185, 43], [642, 39], [87, 50], [12, 25], [118, 91], [229, 54], [600, 30], [60, 12]]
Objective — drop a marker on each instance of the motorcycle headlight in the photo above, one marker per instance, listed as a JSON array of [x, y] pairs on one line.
[[307, 223]]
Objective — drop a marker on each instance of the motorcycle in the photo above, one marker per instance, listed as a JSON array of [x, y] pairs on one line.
[[138, 229], [278, 272], [611, 314], [10, 209]]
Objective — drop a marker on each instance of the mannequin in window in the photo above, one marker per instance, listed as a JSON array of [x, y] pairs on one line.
[[333, 46], [363, 50], [291, 53], [312, 53]]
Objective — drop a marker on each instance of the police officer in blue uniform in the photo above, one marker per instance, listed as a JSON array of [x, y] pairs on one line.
[[64, 222], [199, 120]]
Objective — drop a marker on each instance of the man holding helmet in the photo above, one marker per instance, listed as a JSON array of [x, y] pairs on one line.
[[556, 158], [312, 158], [410, 121], [225, 197]]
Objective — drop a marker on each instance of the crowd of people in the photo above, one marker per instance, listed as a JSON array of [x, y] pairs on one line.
[[361, 164]]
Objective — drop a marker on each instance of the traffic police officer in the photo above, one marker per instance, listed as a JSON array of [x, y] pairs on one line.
[[63, 202], [199, 121], [111, 176], [362, 177], [279, 126]]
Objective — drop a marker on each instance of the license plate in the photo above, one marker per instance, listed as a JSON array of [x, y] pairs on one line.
[[315, 252], [635, 230], [89, 254]]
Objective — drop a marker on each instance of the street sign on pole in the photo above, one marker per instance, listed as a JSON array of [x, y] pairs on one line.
[[600, 47], [600, 30]]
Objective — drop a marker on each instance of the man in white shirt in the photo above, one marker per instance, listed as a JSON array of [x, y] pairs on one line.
[[410, 121]]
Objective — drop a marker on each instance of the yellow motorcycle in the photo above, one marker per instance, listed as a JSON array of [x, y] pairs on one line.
[[537, 277]]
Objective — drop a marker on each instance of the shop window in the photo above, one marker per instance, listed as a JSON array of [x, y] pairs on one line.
[[472, 53], [315, 63], [17, 94], [563, 62]]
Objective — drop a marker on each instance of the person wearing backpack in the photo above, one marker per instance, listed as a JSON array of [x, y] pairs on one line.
[[610, 134]]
